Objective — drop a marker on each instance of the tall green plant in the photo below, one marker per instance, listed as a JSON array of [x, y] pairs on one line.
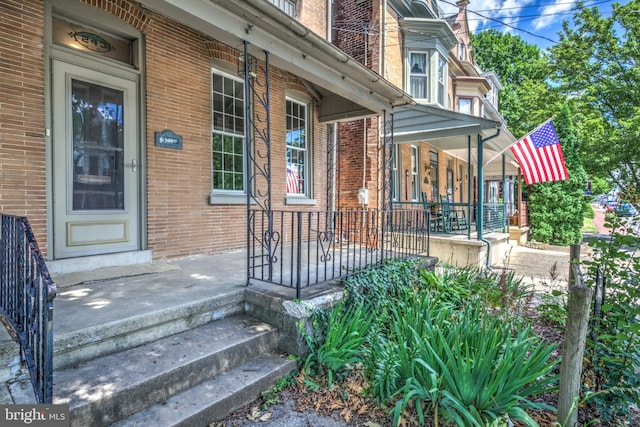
[[465, 366], [346, 333]]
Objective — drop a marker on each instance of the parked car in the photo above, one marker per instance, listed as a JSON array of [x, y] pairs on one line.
[[625, 209], [610, 205]]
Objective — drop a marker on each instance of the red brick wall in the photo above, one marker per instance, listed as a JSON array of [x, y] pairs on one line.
[[22, 119], [180, 220], [352, 20]]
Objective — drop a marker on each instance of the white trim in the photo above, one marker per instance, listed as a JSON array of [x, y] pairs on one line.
[[308, 149]]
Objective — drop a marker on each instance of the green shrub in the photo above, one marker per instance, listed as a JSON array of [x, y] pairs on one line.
[[588, 210], [466, 366], [615, 339], [435, 343], [500, 288]]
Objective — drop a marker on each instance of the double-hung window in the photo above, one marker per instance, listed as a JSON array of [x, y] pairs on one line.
[[418, 75], [298, 148], [227, 134], [427, 76]]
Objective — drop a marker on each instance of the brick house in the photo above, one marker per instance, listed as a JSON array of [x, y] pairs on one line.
[[451, 140], [135, 131], [122, 127]]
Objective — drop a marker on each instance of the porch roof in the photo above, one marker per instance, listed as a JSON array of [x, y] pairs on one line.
[[346, 89], [449, 131]]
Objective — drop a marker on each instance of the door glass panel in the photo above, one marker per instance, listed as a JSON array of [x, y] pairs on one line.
[[98, 147]]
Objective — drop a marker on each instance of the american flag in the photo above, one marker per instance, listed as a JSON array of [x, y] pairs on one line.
[[540, 156], [292, 180]]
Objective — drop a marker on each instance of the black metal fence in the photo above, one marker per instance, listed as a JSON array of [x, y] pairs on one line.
[[460, 218], [27, 301], [298, 249]]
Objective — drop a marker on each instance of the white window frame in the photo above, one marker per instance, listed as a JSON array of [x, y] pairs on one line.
[[395, 171], [305, 152], [470, 100], [287, 6], [419, 74], [236, 132], [415, 173], [434, 77], [441, 75]]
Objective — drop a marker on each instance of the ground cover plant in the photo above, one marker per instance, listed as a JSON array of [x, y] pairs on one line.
[[438, 349]]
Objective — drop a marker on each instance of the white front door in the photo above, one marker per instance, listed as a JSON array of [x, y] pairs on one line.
[[95, 167]]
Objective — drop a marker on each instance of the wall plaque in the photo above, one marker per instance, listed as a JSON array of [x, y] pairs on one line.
[[168, 139]]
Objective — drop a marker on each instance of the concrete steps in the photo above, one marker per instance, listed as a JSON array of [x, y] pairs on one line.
[[191, 377], [86, 343]]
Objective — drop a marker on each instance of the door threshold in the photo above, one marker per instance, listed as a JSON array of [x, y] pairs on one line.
[[86, 263]]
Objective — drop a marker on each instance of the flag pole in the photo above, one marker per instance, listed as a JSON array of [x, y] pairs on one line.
[[516, 141]]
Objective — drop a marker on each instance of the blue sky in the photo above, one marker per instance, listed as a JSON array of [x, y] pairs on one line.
[[541, 20]]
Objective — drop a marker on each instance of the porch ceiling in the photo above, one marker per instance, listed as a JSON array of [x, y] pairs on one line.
[[450, 131], [349, 89]]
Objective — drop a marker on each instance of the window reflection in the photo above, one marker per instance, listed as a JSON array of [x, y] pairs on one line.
[[98, 147]]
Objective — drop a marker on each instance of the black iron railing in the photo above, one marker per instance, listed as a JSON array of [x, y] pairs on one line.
[[298, 249], [27, 301], [460, 218]]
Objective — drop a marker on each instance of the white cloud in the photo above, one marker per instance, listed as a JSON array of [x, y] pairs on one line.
[[552, 13], [506, 11]]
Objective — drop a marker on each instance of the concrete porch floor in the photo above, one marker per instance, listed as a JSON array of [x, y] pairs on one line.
[[110, 294]]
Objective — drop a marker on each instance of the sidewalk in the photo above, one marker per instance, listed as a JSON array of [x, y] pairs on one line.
[[550, 266]]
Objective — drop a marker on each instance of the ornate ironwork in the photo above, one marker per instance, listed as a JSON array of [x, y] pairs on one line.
[[257, 115], [388, 153], [258, 129], [319, 246], [27, 301]]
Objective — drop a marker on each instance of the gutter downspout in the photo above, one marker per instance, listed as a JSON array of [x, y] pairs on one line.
[[480, 219], [383, 45]]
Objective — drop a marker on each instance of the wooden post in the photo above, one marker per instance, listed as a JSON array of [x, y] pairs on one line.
[[574, 259], [573, 348]]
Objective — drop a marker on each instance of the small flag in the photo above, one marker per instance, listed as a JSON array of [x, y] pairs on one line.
[[539, 155], [292, 180]]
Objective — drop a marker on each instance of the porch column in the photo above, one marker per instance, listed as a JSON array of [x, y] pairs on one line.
[[469, 188], [504, 193]]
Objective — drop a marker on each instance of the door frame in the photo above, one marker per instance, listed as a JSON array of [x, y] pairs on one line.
[[95, 18], [98, 231]]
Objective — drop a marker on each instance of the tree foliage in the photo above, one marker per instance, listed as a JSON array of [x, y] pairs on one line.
[[595, 66], [556, 208], [526, 99]]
